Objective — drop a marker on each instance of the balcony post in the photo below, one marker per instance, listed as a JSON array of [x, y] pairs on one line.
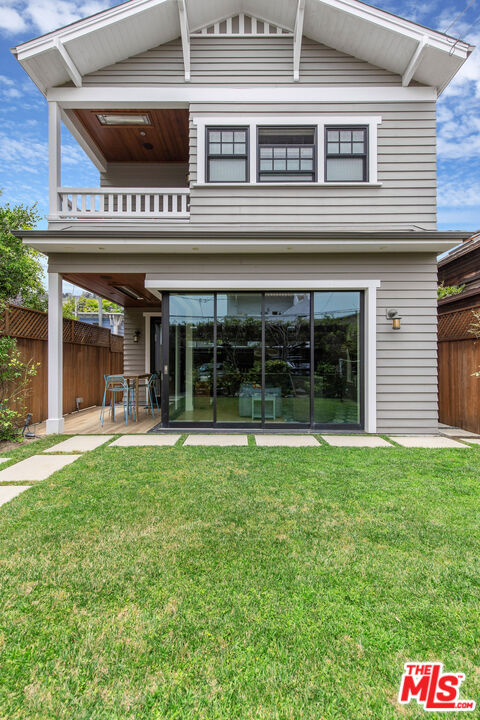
[[54, 156], [55, 420]]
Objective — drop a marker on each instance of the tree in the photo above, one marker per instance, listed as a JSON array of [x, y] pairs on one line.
[[89, 305], [21, 272]]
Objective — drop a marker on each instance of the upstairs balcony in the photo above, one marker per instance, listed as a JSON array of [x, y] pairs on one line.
[[142, 160]]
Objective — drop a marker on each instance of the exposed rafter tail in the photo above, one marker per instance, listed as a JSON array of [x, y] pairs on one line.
[[185, 31], [70, 66], [415, 61], [297, 39]]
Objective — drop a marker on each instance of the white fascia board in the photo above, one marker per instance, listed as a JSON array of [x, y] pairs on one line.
[[415, 61], [399, 25], [70, 66], [158, 282], [195, 246], [90, 24], [297, 39], [170, 95]]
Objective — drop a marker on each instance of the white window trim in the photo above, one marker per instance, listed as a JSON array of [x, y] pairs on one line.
[[368, 286], [318, 121]]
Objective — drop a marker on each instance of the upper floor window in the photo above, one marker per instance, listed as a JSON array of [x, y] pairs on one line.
[[286, 154], [227, 154], [346, 154]]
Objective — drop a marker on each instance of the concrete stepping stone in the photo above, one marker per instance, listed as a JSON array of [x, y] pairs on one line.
[[370, 441], [458, 433], [79, 443], [216, 440], [474, 441], [286, 441], [145, 441], [37, 467], [2, 460], [432, 442], [8, 493]]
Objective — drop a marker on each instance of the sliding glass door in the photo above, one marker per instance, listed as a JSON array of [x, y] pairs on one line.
[[273, 359]]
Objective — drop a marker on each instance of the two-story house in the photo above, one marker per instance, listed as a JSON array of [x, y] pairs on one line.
[[266, 207]]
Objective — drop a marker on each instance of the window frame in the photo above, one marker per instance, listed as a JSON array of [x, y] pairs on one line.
[[246, 157], [364, 156], [271, 179]]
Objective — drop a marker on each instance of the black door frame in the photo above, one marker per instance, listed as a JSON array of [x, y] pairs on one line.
[[262, 425]]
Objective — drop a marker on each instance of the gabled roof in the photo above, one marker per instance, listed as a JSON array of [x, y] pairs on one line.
[[350, 26]]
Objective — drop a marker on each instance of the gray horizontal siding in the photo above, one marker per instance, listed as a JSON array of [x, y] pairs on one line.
[[245, 60], [134, 353], [144, 175], [406, 360], [406, 169]]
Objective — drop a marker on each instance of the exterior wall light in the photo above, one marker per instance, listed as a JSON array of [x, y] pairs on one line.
[[136, 336], [395, 318]]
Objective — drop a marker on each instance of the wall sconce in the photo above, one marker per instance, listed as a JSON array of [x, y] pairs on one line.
[[136, 336], [395, 318]]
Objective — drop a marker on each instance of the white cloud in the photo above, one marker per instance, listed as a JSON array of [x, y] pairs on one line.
[[4, 80], [43, 16], [458, 194], [11, 21]]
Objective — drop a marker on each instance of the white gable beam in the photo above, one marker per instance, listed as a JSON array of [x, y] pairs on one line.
[[415, 61], [89, 147], [297, 39], [70, 66], [185, 31]]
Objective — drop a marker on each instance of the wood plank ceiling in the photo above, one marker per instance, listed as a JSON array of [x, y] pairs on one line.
[[165, 139], [107, 286]]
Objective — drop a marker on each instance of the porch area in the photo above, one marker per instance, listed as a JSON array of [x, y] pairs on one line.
[[87, 422]]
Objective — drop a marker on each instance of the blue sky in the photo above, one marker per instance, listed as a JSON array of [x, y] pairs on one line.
[[23, 112]]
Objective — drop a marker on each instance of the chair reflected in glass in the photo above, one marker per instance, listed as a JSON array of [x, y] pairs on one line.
[[148, 394]]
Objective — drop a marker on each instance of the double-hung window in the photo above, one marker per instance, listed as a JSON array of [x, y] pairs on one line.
[[227, 154], [286, 154], [346, 154]]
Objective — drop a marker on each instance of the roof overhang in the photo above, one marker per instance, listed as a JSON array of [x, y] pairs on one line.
[[385, 40], [228, 241]]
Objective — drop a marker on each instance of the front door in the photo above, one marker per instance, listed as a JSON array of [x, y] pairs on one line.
[[263, 359]]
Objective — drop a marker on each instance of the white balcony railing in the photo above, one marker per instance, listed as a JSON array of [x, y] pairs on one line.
[[135, 203]]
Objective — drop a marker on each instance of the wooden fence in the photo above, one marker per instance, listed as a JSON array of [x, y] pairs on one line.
[[89, 353], [458, 358]]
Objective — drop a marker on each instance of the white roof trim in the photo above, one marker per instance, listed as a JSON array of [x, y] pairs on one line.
[[85, 42]]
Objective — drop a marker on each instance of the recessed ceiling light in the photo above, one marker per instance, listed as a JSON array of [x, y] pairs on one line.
[[123, 119], [143, 133], [148, 146]]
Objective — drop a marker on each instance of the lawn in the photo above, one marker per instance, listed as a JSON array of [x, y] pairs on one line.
[[249, 583]]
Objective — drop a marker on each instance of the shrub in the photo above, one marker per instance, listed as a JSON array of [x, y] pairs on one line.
[[15, 375]]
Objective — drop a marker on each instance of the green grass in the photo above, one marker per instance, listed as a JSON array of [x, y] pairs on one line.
[[249, 583]]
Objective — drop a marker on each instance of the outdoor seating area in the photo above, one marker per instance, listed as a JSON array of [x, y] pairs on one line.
[[131, 394]]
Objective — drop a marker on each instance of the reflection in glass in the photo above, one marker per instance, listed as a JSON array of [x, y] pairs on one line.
[[337, 357], [239, 357], [191, 358], [287, 357]]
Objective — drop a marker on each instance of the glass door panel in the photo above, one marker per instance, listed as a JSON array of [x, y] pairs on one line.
[[239, 357], [287, 357], [191, 335], [337, 369]]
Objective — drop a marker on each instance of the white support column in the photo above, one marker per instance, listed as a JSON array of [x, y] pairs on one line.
[[54, 156], [55, 420]]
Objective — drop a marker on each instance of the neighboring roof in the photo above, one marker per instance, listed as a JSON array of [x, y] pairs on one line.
[[350, 26], [470, 245]]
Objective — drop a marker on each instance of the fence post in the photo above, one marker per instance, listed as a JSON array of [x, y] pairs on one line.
[[7, 320]]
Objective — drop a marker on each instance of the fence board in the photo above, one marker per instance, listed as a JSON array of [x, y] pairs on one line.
[[89, 353], [458, 358]]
